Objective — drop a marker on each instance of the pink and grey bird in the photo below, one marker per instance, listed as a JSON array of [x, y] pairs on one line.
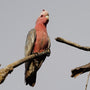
[[37, 41]]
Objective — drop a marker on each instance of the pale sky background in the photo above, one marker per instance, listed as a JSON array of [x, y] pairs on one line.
[[69, 19]]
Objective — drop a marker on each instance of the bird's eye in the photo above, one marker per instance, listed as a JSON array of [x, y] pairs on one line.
[[41, 15]]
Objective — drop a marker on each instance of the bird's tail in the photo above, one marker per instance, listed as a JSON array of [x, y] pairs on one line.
[[31, 80], [31, 69], [30, 73]]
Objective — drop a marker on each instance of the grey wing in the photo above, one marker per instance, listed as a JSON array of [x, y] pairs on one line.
[[30, 42], [29, 68]]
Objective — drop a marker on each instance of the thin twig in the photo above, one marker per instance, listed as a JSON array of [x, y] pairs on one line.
[[87, 81], [59, 39], [8, 69]]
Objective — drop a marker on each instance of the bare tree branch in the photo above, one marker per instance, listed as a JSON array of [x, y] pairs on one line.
[[8, 69], [59, 39], [80, 70]]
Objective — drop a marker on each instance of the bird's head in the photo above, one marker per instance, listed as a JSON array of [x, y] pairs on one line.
[[43, 18]]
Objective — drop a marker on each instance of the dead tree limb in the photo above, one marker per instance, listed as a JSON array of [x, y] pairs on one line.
[[80, 70], [59, 39], [9, 68]]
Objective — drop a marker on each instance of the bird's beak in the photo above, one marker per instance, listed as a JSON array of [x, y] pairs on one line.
[[47, 17]]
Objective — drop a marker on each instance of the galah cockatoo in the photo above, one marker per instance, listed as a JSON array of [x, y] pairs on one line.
[[37, 41]]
